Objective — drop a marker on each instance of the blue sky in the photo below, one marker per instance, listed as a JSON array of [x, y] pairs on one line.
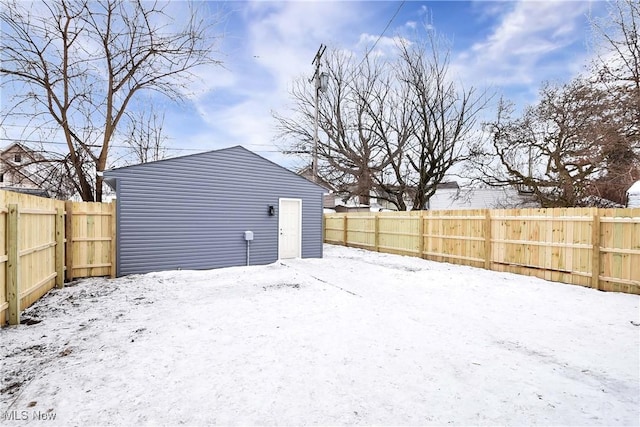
[[510, 47]]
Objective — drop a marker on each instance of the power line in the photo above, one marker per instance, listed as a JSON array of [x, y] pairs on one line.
[[366, 55], [317, 82], [172, 138], [38, 141]]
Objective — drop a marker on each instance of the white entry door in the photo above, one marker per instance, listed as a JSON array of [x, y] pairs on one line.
[[290, 228]]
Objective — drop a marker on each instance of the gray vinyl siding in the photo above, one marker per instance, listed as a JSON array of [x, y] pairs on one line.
[[191, 212]]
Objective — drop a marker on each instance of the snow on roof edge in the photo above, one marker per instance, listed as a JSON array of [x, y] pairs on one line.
[[635, 188]]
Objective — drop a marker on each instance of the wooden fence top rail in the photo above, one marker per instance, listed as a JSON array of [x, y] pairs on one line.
[[456, 217], [444, 216], [75, 213], [619, 219], [621, 251], [91, 239], [445, 237], [542, 218], [37, 212]]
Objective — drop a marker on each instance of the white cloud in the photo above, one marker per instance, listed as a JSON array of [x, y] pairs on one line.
[[521, 47], [279, 41], [267, 44], [285, 36], [384, 46], [247, 123]]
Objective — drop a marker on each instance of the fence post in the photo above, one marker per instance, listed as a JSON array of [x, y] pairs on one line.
[[487, 239], [344, 229], [13, 264], [324, 228], [68, 234], [59, 248], [595, 242], [376, 227], [421, 234], [114, 219]]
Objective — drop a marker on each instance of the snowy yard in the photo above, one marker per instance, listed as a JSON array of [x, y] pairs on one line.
[[354, 338]]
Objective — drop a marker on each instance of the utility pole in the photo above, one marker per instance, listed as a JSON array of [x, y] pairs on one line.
[[319, 85]]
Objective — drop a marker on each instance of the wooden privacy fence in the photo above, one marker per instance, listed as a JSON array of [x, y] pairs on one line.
[[598, 248], [46, 241]]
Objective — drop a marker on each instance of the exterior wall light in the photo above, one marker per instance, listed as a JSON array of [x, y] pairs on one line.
[[272, 210]]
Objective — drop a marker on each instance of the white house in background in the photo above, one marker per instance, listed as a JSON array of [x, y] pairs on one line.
[[21, 170], [449, 196], [633, 195], [347, 203]]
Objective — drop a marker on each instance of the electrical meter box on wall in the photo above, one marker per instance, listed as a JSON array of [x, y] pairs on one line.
[[248, 235]]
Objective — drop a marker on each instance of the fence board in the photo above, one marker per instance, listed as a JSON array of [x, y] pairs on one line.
[[39, 249], [334, 228], [4, 304], [13, 268], [620, 250], [582, 246], [92, 239]]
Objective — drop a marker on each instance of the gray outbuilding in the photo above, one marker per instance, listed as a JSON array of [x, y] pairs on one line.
[[216, 209]]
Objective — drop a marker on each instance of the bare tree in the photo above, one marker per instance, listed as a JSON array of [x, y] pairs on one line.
[[555, 149], [442, 116], [79, 65], [582, 139], [349, 151], [617, 68], [618, 40], [145, 137], [395, 128], [390, 119]]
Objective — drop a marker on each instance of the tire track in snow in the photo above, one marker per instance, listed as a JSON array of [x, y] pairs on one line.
[[320, 280]]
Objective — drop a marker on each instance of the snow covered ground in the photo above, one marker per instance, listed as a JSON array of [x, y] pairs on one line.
[[354, 338]]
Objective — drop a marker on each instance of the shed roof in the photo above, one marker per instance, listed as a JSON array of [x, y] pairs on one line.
[[449, 185], [123, 171], [635, 188]]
